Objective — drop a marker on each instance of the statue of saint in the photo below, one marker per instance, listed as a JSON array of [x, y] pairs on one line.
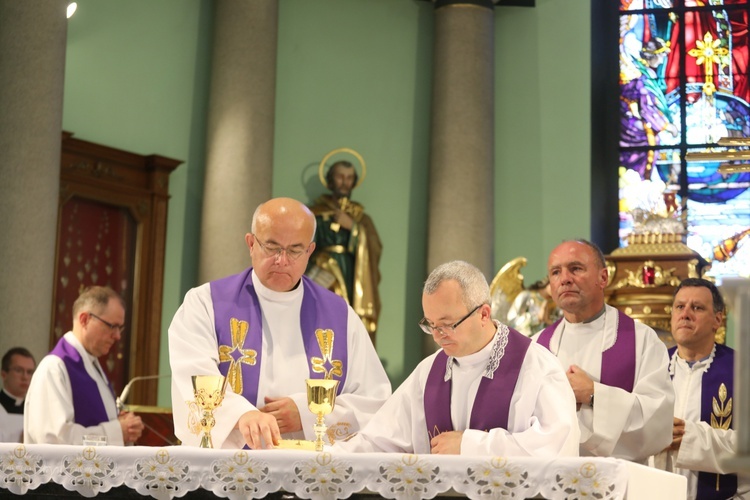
[[347, 246]]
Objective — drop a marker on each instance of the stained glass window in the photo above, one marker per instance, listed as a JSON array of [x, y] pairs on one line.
[[683, 86]]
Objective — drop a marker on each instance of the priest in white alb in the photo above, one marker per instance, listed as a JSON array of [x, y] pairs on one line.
[[617, 367], [488, 391], [258, 328], [70, 395], [702, 372]]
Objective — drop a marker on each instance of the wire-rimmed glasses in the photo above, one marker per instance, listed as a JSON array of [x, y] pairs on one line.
[[445, 329], [274, 251], [112, 326]]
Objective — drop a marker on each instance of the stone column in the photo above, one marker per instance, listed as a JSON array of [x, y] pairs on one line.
[[32, 72], [462, 150], [461, 195], [239, 159], [737, 291]]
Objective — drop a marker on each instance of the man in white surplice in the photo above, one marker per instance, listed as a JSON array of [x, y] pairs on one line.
[[259, 329], [70, 395], [488, 391], [609, 358], [702, 372]]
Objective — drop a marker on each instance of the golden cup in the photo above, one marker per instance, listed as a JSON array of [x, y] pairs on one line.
[[209, 393], [321, 398]]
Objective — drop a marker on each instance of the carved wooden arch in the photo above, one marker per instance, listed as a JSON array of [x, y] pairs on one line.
[[112, 220]]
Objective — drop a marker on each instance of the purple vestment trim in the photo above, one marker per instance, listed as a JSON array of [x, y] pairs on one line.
[[721, 371], [235, 297], [618, 362], [492, 402], [88, 407]]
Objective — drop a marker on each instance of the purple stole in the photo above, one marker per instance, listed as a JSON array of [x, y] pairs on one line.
[[492, 402], [710, 485], [234, 297], [618, 362], [88, 407]]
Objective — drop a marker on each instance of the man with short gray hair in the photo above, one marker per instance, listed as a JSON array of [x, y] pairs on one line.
[[608, 357], [489, 390], [70, 395]]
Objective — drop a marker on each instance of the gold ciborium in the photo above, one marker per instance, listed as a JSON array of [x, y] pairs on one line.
[[209, 393], [321, 398]]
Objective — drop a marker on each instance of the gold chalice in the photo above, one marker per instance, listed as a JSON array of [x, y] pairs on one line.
[[321, 398], [209, 393]]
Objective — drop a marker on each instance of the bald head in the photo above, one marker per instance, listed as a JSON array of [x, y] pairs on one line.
[[288, 210], [281, 242]]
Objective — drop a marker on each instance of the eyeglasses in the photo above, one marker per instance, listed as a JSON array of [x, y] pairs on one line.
[[446, 329], [113, 327], [20, 370], [275, 251]]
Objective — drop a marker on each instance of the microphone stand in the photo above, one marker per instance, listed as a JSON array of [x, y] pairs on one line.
[[120, 401]]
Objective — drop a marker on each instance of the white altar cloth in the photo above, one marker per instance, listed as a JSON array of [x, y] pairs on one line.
[[171, 472]]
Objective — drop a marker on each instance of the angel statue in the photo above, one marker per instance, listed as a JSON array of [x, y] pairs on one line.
[[528, 310]]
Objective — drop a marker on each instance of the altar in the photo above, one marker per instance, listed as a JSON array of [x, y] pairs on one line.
[[175, 472]]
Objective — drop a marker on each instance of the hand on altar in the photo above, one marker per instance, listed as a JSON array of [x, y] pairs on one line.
[[286, 413], [581, 383], [258, 428], [678, 431], [447, 443]]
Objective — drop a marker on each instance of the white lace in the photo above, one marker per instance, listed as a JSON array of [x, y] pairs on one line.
[[172, 472], [498, 349], [500, 340], [673, 361]]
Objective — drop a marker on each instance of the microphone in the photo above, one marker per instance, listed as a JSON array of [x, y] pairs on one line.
[[120, 401]]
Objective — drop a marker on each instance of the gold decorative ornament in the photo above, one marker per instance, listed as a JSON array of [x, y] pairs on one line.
[[209, 393], [611, 271], [239, 331], [660, 277], [321, 398], [325, 340], [321, 167]]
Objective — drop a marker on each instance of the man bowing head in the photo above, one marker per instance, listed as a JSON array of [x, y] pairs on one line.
[[260, 328]]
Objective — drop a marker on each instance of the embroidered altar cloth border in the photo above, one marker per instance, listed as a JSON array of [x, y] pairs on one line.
[[171, 472]]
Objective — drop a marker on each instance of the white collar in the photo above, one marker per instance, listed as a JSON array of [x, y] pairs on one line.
[[272, 296], [606, 324], [702, 364], [19, 401], [493, 352]]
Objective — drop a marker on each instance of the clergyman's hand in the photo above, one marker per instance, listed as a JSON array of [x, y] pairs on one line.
[[678, 431], [258, 428], [286, 413], [447, 443], [581, 383], [132, 426]]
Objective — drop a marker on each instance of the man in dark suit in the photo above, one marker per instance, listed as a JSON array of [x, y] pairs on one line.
[[17, 368]]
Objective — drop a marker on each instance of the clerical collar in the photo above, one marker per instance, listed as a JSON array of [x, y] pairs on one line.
[[18, 401], [707, 361], [272, 295], [493, 352], [596, 316], [691, 363]]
